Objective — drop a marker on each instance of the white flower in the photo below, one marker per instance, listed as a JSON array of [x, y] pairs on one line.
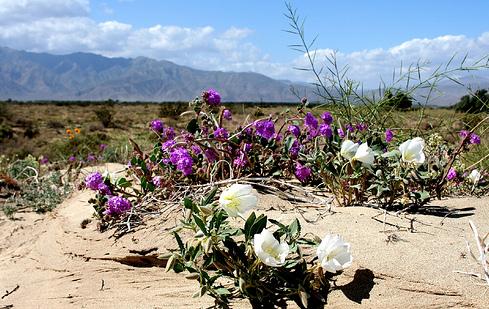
[[412, 150], [348, 149], [269, 250], [364, 154], [475, 176], [334, 254], [237, 200]]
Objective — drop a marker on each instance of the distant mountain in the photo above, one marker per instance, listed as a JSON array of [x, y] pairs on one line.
[[449, 93], [85, 76]]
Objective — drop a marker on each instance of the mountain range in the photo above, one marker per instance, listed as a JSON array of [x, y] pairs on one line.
[[85, 76], [90, 77]]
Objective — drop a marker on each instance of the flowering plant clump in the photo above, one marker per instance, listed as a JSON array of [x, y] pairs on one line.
[[110, 201], [264, 261], [359, 162]]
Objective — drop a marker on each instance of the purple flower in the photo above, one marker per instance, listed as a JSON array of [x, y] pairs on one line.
[[294, 149], [44, 160], [169, 133], [302, 172], [91, 158], [463, 133], [167, 145], [196, 149], [325, 130], [117, 205], [210, 154], [389, 135], [212, 97], [72, 159], [157, 125], [452, 173], [310, 121], [157, 181], [104, 189], [327, 118], [350, 128], [265, 129], [341, 133], [93, 180], [278, 137], [240, 161], [102, 147], [295, 130], [247, 147], [182, 160], [227, 114], [221, 133], [247, 131], [361, 126], [187, 136], [475, 139]]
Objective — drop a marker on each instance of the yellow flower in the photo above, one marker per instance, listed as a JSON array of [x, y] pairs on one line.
[[72, 136], [77, 130], [68, 131]]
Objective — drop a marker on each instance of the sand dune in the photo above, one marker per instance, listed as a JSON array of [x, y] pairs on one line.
[[405, 263]]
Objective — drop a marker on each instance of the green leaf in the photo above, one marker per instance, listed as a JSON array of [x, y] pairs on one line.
[[259, 225], [248, 224], [295, 228], [181, 246], [187, 203], [200, 224], [210, 197], [222, 291], [280, 225], [392, 153], [193, 126]]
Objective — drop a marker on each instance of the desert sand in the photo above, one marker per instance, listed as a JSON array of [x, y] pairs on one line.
[[409, 261]]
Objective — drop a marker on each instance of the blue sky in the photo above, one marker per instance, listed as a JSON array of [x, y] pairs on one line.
[[372, 37]]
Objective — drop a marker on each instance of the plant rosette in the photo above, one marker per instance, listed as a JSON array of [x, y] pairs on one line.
[[262, 261]]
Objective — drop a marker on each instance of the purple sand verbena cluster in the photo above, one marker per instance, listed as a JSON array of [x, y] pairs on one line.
[[117, 205]]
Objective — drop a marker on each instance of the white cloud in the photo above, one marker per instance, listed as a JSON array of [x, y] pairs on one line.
[[15, 11], [369, 66], [64, 26]]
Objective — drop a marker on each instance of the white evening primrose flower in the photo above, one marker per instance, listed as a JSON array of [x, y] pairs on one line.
[[348, 149], [364, 154], [475, 176], [269, 250], [237, 199], [412, 150], [334, 254]]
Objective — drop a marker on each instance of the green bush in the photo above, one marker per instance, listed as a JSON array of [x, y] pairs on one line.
[[105, 116], [476, 103], [172, 110]]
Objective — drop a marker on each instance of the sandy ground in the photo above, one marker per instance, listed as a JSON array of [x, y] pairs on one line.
[[50, 261]]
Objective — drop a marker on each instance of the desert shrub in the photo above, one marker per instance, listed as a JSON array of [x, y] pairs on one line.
[[39, 193], [6, 132], [105, 116], [80, 146], [45, 193], [4, 110], [31, 131], [55, 124], [172, 110], [23, 168], [397, 99], [477, 102]]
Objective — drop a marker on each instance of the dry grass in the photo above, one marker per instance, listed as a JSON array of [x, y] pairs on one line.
[[48, 123]]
